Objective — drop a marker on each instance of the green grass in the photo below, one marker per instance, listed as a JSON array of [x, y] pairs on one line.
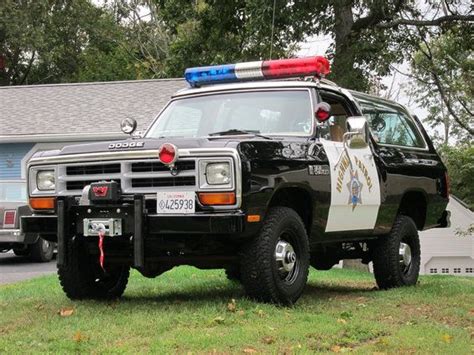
[[187, 310]]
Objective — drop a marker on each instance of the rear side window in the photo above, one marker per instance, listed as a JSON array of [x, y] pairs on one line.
[[392, 126]]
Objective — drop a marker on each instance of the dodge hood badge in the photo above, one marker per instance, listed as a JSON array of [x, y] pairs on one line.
[[120, 145]]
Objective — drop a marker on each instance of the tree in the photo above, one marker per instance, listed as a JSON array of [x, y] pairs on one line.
[[50, 41], [369, 36], [217, 32], [443, 70]]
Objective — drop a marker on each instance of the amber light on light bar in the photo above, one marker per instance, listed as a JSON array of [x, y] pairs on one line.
[[217, 198], [42, 203]]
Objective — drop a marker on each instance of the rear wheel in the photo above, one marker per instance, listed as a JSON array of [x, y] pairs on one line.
[[42, 251], [275, 265], [396, 257], [82, 277]]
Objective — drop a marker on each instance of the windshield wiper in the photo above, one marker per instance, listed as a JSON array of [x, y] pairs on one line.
[[239, 131]]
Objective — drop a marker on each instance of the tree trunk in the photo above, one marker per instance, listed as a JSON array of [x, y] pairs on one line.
[[343, 71]]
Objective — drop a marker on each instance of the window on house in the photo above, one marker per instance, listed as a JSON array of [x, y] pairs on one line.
[[445, 271], [469, 270], [457, 270], [433, 271]]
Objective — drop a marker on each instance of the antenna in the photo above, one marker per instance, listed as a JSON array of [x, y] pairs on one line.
[[273, 27]]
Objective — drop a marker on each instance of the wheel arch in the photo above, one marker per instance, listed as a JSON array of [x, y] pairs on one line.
[[414, 204], [298, 198]]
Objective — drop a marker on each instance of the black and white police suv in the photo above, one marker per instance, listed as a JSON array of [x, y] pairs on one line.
[[260, 177]]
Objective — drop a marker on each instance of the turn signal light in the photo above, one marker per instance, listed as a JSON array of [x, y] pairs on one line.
[[217, 198], [42, 203]]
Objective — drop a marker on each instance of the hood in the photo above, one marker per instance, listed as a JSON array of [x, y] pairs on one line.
[[146, 144]]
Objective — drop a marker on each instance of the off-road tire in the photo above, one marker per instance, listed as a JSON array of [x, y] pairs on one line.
[[42, 251], [82, 278], [388, 271], [233, 274], [259, 273]]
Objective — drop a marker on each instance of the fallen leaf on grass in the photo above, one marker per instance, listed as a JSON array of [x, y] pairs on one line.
[[471, 312], [66, 312], [260, 313], [218, 320], [268, 340], [342, 321], [336, 349], [250, 351], [447, 338], [232, 305], [78, 337]]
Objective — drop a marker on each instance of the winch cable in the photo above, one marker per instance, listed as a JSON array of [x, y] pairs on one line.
[[101, 249]]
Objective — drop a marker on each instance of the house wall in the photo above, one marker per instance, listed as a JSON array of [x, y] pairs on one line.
[[11, 155], [443, 250]]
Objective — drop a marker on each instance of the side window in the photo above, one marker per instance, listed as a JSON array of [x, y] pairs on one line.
[[389, 125], [336, 126]]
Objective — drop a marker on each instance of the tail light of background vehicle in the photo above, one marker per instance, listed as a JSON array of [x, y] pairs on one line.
[[9, 219]]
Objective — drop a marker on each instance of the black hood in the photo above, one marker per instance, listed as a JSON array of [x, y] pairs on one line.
[[155, 143]]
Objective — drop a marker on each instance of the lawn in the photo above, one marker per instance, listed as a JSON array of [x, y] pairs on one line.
[[191, 311]]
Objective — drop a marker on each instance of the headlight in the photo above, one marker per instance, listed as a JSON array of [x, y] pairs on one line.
[[45, 180], [218, 173]]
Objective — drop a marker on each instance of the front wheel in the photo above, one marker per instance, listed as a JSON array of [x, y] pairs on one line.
[[396, 257], [83, 278], [275, 265]]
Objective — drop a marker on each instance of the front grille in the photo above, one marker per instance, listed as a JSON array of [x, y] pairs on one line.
[[93, 169], [184, 165], [161, 182], [134, 176], [80, 184]]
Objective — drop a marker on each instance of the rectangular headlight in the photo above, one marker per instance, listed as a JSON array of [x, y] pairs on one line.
[[218, 173], [45, 180]]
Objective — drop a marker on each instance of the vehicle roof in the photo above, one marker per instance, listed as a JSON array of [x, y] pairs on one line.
[[260, 84], [272, 84]]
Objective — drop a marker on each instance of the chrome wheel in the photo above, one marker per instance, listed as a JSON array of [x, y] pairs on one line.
[[404, 253], [286, 261]]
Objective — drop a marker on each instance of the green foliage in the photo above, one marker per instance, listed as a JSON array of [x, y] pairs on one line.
[[46, 41], [444, 71], [218, 32], [460, 163]]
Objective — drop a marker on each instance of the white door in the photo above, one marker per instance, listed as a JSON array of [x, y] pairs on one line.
[[355, 188]]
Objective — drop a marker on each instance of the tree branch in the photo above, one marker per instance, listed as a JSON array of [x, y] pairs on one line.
[[421, 23], [441, 91]]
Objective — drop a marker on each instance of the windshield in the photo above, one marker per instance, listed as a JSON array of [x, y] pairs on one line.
[[265, 112], [13, 191]]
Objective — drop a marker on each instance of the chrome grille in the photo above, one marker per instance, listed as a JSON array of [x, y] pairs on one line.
[[134, 176]]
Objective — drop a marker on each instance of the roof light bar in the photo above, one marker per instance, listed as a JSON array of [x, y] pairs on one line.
[[261, 70]]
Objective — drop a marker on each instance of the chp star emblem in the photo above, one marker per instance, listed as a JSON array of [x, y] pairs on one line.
[[355, 187]]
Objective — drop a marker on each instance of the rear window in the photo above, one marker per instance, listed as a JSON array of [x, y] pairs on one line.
[[392, 126]]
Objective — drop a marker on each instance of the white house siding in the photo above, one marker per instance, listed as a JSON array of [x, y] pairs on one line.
[[444, 252]]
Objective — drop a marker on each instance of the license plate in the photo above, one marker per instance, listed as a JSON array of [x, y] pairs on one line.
[[175, 202]]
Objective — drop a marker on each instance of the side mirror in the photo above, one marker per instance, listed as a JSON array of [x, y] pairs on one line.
[[128, 125], [357, 135]]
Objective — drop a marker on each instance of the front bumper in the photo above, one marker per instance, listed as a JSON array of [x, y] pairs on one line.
[[224, 223], [137, 225], [11, 236]]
